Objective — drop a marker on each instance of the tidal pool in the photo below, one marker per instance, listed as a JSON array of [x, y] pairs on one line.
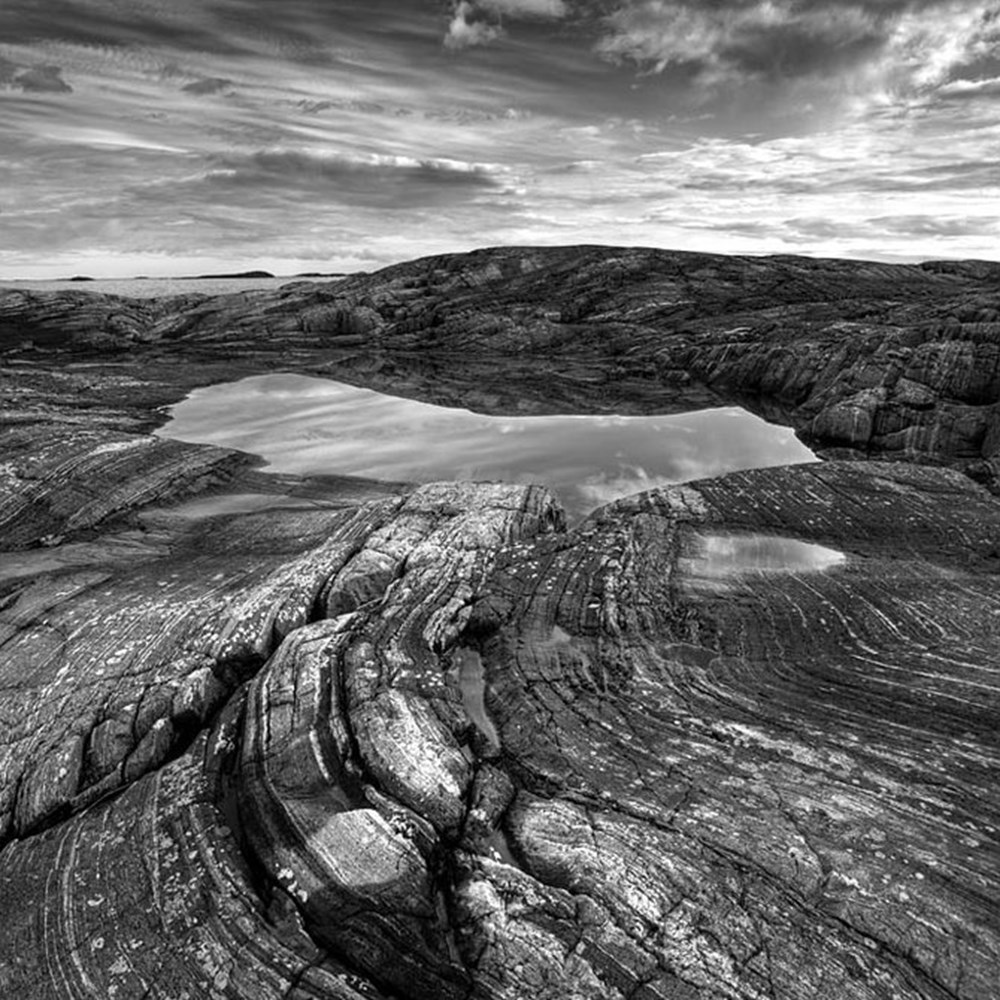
[[719, 556], [313, 426]]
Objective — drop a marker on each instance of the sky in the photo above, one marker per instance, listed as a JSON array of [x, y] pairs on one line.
[[185, 136]]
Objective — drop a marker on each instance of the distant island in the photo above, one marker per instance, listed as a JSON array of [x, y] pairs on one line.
[[195, 277], [240, 274]]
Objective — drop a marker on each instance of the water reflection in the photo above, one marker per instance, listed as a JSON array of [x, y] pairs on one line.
[[719, 556], [472, 684], [225, 503], [313, 426]]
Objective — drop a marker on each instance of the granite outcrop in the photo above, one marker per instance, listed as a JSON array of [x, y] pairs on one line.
[[734, 738], [863, 359]]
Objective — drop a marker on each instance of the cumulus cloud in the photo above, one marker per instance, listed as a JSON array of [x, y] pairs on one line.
[[466, 30], [479, 22]]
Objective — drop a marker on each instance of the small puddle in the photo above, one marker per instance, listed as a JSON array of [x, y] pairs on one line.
[[721, 556], [472, 684]]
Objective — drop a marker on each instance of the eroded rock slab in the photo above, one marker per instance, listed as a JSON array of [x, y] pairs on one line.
[[731, 739], [737, 770], [356, 767], [150, 895]]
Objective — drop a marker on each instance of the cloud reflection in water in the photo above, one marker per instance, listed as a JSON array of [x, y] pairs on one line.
[[313, 426], [720, 556]]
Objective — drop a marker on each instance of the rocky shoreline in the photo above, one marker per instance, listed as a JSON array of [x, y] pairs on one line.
[[241, 757]]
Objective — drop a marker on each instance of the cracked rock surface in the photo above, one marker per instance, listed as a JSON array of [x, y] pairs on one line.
[[734, 739]]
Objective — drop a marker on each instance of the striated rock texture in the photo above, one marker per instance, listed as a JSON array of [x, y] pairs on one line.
[[861, 358], [736, 738]]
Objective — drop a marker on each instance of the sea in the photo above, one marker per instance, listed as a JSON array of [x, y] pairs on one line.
[[151, 288]]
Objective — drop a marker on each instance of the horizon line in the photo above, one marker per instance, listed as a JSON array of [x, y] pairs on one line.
[[264, 274]]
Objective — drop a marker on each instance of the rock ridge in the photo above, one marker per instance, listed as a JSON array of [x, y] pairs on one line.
[[735, 738], [862, 358]]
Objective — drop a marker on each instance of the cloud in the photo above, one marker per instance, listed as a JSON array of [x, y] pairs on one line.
[[104, 22], [795, 125], [775, 37], [464, 31], [297, 162], [967, 89], [544, 9], [207, 85], [300, 31], [40, 79], [377, 181], [479, 22], [927, 43], [936, 225], [43, 80], [890, 49]]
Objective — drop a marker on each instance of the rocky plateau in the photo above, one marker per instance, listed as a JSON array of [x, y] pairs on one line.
[[734, 739]]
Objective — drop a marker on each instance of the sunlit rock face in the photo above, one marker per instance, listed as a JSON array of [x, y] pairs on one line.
[[309, 736]]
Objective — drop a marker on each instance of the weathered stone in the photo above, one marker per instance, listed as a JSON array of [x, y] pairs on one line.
[[149, 894], [900, 347], [732, 739]]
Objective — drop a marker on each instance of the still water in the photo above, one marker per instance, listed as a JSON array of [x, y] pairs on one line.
[[728, 555], [314, 426]]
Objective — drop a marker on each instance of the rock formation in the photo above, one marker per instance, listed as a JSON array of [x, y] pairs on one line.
[[733, 739], [874, 360]]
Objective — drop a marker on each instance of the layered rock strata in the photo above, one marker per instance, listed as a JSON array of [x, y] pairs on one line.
[[731, 739], [871, 359]]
